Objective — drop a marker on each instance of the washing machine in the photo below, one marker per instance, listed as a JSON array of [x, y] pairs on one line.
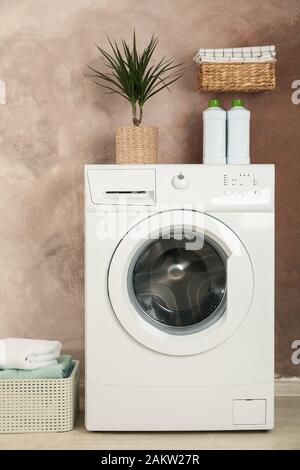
[[179, 297]]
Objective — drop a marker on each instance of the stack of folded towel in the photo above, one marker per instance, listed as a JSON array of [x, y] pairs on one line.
[[33, 359], [237, 54]]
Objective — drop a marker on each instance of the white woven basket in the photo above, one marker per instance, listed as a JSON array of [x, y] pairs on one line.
[[39, 405]]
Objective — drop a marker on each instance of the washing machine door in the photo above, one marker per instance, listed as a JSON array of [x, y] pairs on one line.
[[180, 282]]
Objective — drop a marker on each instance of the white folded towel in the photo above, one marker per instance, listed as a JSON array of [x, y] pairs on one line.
[[28, 354], [220, 60], [236, 54]]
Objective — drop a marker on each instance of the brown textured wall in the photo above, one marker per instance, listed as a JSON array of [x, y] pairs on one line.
[[55, 120]]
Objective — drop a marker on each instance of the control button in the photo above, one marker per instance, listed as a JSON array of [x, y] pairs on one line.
[[180, 181]]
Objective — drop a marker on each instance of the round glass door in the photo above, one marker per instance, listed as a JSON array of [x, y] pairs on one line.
[[179, 284]]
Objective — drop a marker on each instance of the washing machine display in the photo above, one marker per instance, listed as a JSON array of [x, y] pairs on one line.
[[179, 286]]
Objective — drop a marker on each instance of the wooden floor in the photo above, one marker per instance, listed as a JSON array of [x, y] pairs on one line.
[[286, 435]]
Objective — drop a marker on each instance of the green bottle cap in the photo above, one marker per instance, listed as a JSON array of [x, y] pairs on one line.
[[214, 103], [237, 103]]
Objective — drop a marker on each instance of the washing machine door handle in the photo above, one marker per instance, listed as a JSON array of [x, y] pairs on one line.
[[240, 282]]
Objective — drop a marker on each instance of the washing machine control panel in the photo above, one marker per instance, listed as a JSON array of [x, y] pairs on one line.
[[212, 188], [239, 183]]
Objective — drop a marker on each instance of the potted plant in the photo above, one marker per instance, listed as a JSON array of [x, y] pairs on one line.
[[132, 76]]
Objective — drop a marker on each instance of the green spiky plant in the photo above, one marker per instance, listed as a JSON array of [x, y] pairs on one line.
[[132, 76]]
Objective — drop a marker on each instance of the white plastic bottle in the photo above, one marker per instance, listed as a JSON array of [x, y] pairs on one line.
[[214, 134], [238, 134]]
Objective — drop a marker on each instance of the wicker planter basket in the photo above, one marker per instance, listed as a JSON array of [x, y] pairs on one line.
[[39, 405], [136, 144], [243, 77]]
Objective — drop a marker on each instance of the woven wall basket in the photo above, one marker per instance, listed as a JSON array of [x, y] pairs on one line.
[[243, 77], [136, 144]]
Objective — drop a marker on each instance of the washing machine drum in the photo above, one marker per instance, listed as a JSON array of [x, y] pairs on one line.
[[179, 287]]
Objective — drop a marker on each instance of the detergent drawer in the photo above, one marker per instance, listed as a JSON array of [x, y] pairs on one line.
[[122, 186]]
